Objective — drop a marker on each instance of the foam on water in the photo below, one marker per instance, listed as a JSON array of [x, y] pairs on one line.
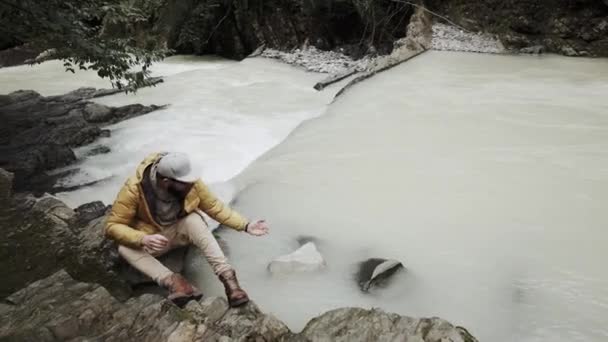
[[223, 113]]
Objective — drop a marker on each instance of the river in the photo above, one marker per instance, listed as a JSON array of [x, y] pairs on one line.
[[486, 175]]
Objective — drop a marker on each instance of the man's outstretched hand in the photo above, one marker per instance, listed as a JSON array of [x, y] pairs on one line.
[[258, 228]]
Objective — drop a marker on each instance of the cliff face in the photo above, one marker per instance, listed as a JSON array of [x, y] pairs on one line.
[[569, 27], [236, 28]]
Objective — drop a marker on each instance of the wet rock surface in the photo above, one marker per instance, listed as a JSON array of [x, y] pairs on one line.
[[38, 132], [59, 308]]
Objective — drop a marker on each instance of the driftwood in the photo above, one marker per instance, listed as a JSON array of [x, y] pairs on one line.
[[382, 66], [335, 78]]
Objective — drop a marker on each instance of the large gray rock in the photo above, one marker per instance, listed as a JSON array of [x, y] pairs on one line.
[[359, 325]]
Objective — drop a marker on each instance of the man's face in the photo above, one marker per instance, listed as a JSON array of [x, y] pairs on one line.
[[177, 188]]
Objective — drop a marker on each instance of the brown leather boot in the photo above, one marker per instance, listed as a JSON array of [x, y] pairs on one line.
[[234, 292], [180, 290]]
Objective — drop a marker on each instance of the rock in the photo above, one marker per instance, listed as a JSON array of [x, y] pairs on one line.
[[568, 51], [451, 38], [17, 55], [99, 150], [359, 325], [89, 211], [305, 259], [43, 56], [6, 186], [94, 112], [561, 27], [38, 133], [533, 50], [52, 207], [60, 308], [377, 272]]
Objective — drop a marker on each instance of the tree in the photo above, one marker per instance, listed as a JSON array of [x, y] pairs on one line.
[[73, 31]]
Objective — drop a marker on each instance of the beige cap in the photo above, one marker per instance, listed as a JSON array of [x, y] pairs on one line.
[[177, 166]]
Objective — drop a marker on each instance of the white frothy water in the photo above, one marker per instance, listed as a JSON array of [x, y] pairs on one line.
[[224, 114], [486, 175]]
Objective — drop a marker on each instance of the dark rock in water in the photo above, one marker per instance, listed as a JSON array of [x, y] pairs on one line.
[[376, 272], [38, 133], [90, 211], [533, 50], [99, 150]]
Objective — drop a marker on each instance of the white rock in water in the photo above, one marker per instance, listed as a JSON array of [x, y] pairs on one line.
[[305, 259]]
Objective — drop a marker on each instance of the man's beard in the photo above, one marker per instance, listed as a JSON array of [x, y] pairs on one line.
[[180, 194]]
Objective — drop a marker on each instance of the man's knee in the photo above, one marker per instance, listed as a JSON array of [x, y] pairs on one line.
[[195, 220]]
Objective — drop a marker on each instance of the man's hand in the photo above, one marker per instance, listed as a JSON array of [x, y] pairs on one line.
[[258, 228], [155, 243]]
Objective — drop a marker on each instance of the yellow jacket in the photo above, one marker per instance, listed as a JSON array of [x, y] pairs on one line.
[[130, 219]]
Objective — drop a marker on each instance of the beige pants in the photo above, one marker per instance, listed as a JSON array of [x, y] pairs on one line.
[[189, 230]]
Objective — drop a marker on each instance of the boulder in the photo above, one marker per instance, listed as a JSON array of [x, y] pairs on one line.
[[305, 259], [53, 208], [360, 325], [377, 272]]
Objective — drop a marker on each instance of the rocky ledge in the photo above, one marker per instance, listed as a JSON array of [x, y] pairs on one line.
[[59, 308], [38, 132]]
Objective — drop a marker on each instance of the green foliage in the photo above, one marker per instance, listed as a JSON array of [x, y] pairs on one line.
[[73, 30]]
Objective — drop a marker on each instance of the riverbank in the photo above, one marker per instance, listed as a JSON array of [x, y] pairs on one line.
[[45, 238]]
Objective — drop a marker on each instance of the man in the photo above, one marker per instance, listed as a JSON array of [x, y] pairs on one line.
[[160, 208]]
